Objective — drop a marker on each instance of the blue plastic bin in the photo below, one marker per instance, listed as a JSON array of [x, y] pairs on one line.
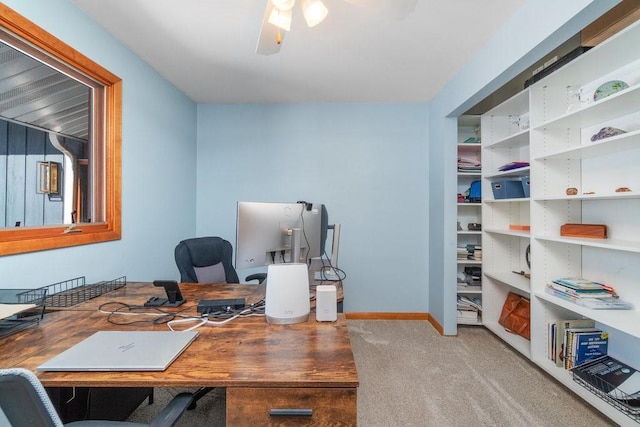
[[526, 186], [507, 189]]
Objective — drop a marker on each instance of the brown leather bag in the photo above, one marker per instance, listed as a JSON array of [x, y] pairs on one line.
[[515, 315]]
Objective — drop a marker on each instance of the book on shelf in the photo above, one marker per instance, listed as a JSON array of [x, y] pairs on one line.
[[469, 252], [604, 303], [583, 344], [587, 293], [592, 302], [578, 293], [584, 285], [462, 252], [586, 346], [559, 353]]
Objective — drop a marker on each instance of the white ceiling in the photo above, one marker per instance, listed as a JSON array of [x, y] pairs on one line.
[[206, 48]]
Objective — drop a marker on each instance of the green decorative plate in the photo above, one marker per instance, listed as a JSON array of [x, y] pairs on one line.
[[609, 88]]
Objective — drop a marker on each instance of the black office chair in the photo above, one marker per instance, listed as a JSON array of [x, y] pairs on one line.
[[24, 403], [210, 259]]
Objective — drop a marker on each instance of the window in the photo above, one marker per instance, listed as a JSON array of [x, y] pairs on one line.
[[104, 164]]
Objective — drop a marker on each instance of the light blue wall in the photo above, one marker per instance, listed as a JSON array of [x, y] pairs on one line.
[[158, 156], [384, 171], [367, 163], [534, 30]]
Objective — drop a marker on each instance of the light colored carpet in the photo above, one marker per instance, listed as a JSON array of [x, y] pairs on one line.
[[411, 376]]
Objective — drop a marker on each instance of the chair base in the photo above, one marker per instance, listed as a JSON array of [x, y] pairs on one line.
[[197, 395]]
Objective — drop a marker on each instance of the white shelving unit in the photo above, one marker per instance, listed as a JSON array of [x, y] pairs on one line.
[[563, 116], [505, 138], [468, 212]]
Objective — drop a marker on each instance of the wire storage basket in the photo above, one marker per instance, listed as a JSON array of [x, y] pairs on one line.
[[71, 292], [613, 381]]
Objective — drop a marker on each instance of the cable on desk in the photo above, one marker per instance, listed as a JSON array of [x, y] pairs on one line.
[[227, 316], [121, 309]]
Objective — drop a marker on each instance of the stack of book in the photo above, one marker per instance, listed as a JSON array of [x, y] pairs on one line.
[[470, 252], [477, 252], [463, 253], [573, 342], [587, 293], [468, 309]]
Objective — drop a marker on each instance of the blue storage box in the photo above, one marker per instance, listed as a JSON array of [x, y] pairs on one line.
[[526, 186], [507, 189]]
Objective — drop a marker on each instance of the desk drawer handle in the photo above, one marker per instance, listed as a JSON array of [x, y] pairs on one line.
[[291, 412]]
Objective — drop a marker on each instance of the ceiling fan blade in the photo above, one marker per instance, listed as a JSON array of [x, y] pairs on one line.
[[396, 9], [271, 37]]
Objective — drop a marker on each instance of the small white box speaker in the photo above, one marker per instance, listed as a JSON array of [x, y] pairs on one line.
[[326, 303], [287, 295]]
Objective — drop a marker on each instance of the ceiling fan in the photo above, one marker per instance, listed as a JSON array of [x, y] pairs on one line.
[[278, 15]]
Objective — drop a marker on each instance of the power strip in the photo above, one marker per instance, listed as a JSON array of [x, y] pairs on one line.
[[207, 306]]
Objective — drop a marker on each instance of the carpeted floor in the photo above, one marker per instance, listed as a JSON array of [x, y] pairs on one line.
[[411, 376]]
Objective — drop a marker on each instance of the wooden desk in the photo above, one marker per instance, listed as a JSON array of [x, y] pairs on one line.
[[263, 366]]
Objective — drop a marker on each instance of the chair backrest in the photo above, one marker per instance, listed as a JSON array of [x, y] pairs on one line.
[[204, 252], [24, 401]]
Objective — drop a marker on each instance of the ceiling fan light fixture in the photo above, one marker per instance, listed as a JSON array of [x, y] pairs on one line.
[[314, 11], [283, 4], [281, 18]]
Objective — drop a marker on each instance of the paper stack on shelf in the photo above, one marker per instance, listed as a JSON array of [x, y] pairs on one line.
[[467, 315], [468, 309], [587, 293]]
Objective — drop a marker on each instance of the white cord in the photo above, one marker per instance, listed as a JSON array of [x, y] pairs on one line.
[[124, 313], [200, 320], [205, 321]]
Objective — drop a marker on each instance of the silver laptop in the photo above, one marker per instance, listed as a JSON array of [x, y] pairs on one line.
[[122, 351]]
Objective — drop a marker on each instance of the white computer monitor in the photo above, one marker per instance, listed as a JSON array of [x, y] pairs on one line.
[[266, 233]]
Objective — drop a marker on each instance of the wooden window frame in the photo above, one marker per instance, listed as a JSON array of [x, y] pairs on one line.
[[107, 154]]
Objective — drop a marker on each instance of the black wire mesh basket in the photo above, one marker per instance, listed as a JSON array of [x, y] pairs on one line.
[[70, 292], [612, 381]]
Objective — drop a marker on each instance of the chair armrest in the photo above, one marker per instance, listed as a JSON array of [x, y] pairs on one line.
[[260, 277], [172, 412]]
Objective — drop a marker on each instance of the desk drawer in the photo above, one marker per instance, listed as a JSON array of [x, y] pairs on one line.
[[321, 406]]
